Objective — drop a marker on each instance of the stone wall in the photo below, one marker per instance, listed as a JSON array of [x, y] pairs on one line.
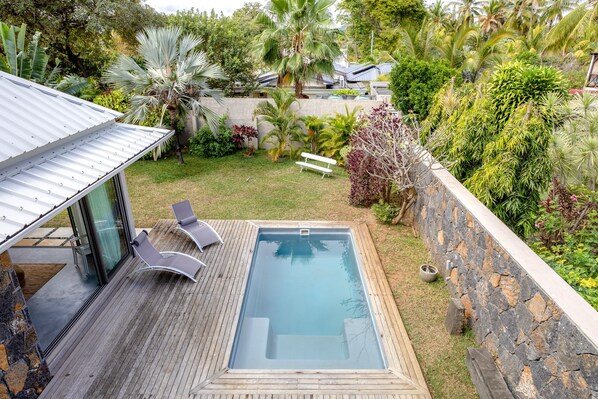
[[23, 372], [542, 335]]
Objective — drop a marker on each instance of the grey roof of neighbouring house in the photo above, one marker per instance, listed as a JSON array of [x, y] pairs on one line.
[[56, 148]]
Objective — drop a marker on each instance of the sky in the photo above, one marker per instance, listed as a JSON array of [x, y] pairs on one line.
[[225, 6]]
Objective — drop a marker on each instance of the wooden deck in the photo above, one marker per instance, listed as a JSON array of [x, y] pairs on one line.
[[157, 335]]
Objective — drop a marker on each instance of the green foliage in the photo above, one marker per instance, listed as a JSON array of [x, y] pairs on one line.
[[337, 132], [226, 41], [313, 126], [83, 34], [286, 133], [568, 238], [384, 212], [27, 61], [298, 41], [495, 138], [213, 145], [382, 17], [113, 99], [414, 84], [345, 92]]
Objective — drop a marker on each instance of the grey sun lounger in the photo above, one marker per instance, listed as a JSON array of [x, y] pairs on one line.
[[200, 232], [174, 262]]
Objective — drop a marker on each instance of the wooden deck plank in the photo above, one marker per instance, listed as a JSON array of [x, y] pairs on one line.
[[159, 335]]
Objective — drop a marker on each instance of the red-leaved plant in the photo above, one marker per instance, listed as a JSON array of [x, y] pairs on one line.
[[241, 133]]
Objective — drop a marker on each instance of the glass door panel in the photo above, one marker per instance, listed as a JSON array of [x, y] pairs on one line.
[[108, 224]]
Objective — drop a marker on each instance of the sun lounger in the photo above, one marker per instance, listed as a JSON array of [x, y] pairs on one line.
[[174, 262], [200, 232]]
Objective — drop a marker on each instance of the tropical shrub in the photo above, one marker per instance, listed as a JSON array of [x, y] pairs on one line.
[[212, 145], [242, 134], [414, 84], [496, 138], [567, 238], [313, 126], [384, 212], [366, 187], [337, 132], [113, 99], [286, 133]]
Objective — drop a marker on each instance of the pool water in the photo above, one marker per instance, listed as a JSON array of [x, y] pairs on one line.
[[305, 305]]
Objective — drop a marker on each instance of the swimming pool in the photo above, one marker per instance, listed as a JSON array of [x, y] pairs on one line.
[[305, 305]]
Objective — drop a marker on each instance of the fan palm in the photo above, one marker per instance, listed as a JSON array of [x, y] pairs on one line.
[[284, 121], [172, 79], [298, 40]]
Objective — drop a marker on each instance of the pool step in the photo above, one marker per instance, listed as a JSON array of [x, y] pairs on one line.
[[307, 347]]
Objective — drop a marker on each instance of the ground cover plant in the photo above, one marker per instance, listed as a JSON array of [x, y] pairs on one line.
[[237, 187]]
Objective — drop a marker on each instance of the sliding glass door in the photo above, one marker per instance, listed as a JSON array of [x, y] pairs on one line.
[[107, 220]]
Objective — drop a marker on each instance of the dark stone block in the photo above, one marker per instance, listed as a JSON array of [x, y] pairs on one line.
[[7, 306], [30, 339], [540, 374], [506, 342], [509, 322], [524, 318], [528, 288], [15, 348], [4, 332], [455, 317], [498, 262], [27, 394], [37, 379], [482, 241], [484, 325], [589, 370], [555, 389], [499, 300], [485, 375], [510, 365]]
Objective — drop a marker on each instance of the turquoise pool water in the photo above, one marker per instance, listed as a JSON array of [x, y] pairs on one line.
[[305, 305]]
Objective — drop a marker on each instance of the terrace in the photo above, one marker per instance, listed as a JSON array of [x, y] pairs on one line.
[[179, 342]]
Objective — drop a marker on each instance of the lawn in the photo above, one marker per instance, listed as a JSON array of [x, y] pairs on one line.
[[236, 187]]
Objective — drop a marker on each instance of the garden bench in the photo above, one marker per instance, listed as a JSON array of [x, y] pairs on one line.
[[306, 164]]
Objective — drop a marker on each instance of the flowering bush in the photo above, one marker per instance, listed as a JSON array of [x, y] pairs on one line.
[[567, 232]]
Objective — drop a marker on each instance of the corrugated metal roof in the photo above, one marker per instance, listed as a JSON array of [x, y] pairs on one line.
[[34, 116], [57, 178], [56, 148]]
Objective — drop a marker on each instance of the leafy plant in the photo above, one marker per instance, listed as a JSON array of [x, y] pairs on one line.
[[286, 131], [313, 126], [27, 61], [414, 84], [242, 134], [113, 99], [345, 92], [384, 212], [337, 132], [212, 145]]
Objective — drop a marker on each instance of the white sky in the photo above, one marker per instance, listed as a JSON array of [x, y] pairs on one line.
[[226, 6]]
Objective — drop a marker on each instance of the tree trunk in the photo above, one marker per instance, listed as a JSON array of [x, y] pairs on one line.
[[177, 137], [299, 90], [405, 205]]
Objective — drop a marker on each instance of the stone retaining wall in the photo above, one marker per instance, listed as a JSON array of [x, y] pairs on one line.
[[23, 373], [542, 334]]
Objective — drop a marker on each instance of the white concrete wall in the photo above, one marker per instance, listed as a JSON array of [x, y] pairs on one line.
[[240, 110]]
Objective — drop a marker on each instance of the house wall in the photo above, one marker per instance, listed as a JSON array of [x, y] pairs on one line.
[[240, 110], [542, 334], [23, 372]]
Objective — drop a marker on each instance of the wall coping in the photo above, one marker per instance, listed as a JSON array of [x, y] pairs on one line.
[[581, 313]]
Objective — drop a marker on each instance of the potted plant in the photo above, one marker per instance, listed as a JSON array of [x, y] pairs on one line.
[[346, 94], [428, 273]]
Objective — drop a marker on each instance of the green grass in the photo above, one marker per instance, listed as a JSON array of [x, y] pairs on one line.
[[236, 187]]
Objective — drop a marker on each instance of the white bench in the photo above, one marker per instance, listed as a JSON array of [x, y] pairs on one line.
[[306, 164]]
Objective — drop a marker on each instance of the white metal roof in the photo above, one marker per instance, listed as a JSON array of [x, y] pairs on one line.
[[35, 116], [55, 149]]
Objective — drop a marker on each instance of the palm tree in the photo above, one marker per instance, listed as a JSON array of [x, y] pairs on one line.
[[581, 23], [172, 78], [485, 54], [422, 43], [439, 14], [493, 17], [283, 119], [298, 41], [467, 10]]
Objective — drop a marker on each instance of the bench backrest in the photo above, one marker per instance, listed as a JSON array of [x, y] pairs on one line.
[[318, 158]]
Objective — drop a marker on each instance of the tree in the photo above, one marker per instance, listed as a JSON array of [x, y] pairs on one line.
[[579, 24], [227, 42], [298, 40], [467, 10], [81, 33], [493, 17], [172, 78], [396, 156], [414, 84], [279, 113], [378, 20]]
